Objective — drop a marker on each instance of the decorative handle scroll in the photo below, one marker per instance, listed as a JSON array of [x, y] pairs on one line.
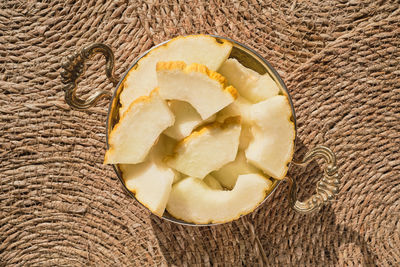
[[74, 67], [327, 187]]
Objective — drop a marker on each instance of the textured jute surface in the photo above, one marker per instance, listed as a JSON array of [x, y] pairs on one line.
[[60, 206]]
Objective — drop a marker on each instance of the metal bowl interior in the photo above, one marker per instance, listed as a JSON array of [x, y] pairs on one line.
[[246, 56]]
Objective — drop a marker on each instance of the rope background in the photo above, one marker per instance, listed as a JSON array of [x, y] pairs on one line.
[[60, 206]]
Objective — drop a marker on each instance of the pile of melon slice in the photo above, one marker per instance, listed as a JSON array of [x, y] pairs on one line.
[[199, 134]]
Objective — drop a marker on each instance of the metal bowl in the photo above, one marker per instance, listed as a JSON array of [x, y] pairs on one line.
[[74, 66]]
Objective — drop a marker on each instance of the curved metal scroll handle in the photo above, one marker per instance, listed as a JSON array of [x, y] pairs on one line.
[[74, 66], [327, 187]]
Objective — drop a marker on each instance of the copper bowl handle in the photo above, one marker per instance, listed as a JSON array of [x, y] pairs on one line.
[[74, 66], [327, 187]]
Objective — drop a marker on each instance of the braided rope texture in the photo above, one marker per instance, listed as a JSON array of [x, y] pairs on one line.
[[60, 206]]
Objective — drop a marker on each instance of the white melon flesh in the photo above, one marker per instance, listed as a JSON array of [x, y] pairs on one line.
[[150, 182], [207, 149], [265, 88], [249, 84], [205, 90], [202, 49], [271, 148], [212, 182], [193, 201], [137, 131], [186, 119], [245, 137], [229, 173], [240, 107], [164, 147]]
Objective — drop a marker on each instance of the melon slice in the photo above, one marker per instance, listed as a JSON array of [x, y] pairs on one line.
[[249, 84], [229, 173], [137, 131], [202, 49], [193, 201], [207, 149], [205, 90], [186, 119], [164, 147], [271, 148], [240, 107], [150, 182], [212, 182], [245, 137]]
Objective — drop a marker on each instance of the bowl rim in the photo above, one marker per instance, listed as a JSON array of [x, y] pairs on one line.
[[115, 100]]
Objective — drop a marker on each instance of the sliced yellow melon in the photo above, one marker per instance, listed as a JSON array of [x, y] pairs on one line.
[[271, 148], [245, 136], [229, 173], [207, 149], [193, 201], [164, 147], [205, 90], [150, 182], [202, 49], [240, 107], [186, 119], [250, 84], [212, 182], [137, 131]]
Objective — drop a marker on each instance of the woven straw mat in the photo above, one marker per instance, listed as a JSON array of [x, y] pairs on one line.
[[60, 206]]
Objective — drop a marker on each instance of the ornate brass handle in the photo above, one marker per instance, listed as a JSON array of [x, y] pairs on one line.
[[74, 66], [327, 187]]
